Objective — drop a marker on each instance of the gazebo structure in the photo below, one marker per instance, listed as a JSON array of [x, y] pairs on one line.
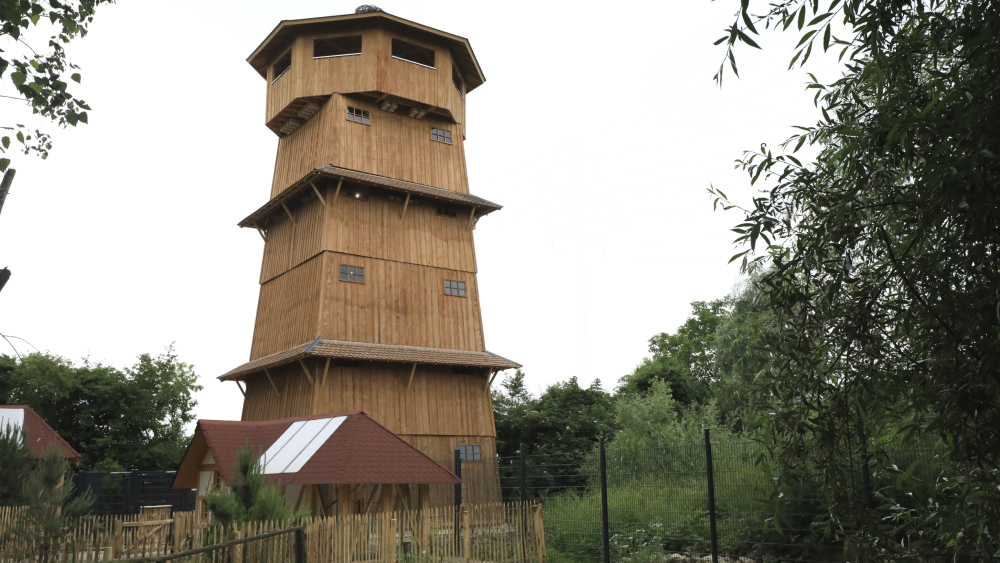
[[39, 434], [368, 292], [338, 463]]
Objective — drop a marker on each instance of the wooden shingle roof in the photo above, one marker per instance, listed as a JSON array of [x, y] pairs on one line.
[[39, 434], [259, 217], [367, 351]]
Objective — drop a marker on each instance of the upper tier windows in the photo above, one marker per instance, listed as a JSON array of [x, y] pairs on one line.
[[412, 53], [281, 66], [329, 47]]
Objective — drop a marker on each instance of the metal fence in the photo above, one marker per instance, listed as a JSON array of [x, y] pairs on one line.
[[127, 492], [708, 502]]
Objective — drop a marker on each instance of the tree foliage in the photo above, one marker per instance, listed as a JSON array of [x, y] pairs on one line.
[[15, 459], [39, 74], [51, 505], [878, 261], [128, 418], [249, 496]]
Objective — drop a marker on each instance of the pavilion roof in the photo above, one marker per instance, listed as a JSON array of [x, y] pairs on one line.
[[40, 435]]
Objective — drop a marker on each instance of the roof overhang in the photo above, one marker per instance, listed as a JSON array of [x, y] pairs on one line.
[[259, 218], [366, 351], [465, 58]]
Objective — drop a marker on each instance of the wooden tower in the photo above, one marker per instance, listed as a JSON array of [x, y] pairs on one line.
[[368, 296]]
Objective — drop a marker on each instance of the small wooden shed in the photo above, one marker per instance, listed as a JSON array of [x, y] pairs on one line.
[[336, 463]]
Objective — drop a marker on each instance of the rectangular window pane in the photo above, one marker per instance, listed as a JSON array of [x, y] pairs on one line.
[[336, 46], [343, 276]]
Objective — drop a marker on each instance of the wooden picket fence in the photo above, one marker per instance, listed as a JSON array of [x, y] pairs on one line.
[[499, 533]]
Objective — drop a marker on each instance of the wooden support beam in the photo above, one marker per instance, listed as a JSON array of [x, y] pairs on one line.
[[472, 217], [306, 370], [336, 193], [318, 194], [289, 212], [268, 374], [260, 232], [298, 501], [490, 382], [343, 500], [241, 388], [413, 370], [326, 371], [405, 205]]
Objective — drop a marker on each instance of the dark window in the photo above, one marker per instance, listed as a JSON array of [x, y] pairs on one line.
[[281, 66], [455, 288], [441, 135], [463, 371], [357, 193], [456, 79], [336, 47], [444, 211], [347, 363], [352, 273], [358, 115], [412, 53], [470, 453]]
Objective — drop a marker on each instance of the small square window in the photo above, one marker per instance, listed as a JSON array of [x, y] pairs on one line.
[[470, 453], [440, 135], [358, 115], [352, 273], [455, 288]]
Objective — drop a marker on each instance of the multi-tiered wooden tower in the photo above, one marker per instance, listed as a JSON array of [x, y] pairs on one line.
[[368, 296]]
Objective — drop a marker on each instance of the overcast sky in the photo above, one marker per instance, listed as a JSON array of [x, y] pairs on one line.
[[599, 129]]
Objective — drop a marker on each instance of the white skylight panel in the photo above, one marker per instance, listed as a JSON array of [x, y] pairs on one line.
[[11, 417], [278, 456], [321, 437], [297, 445]]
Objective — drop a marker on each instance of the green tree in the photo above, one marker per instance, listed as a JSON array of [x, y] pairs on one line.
[[16, 461], [512, 404], [685, 359], [249, 497], [654, 420], [51, 505], [882, 271], [134, 417]]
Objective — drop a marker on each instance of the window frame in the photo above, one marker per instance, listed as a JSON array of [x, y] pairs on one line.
[[287, 53], [345, 273], [439, 135], [392, 50], [318, 39], [473, 451], [458, 286], [365, 115], [446, 212]]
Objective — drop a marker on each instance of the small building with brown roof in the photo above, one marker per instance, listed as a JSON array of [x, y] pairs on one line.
[[39, 434], [344, 463]]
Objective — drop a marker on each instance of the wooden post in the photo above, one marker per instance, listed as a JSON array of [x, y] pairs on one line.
[[539, 534], [237, 553], [118, 540], [424, 525], [343, 501], [385, 498], [466, 535], [176, 527]]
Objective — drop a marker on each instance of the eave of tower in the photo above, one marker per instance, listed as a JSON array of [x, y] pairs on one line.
[[306, 185], [366, 351], [461, 48]]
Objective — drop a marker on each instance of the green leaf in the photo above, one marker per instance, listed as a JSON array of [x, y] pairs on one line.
[[826, 39], [6, 142], [746, 39], [4, 163], [802, 17], [76, 77], [18, 78], [746, 18]]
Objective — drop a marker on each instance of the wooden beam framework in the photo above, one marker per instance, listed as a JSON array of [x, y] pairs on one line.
[[318, 194], [243, 391], [413, 370], [260, 232], [306, 371], [289, 212], [268, 374], [326, 371], [405, 205], [472, 217], [336, 193]]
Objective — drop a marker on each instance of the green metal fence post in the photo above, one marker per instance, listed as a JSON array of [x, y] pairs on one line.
[[711, 497], [604, 505]]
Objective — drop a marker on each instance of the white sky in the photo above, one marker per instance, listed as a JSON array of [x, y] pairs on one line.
[[599, 129]]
